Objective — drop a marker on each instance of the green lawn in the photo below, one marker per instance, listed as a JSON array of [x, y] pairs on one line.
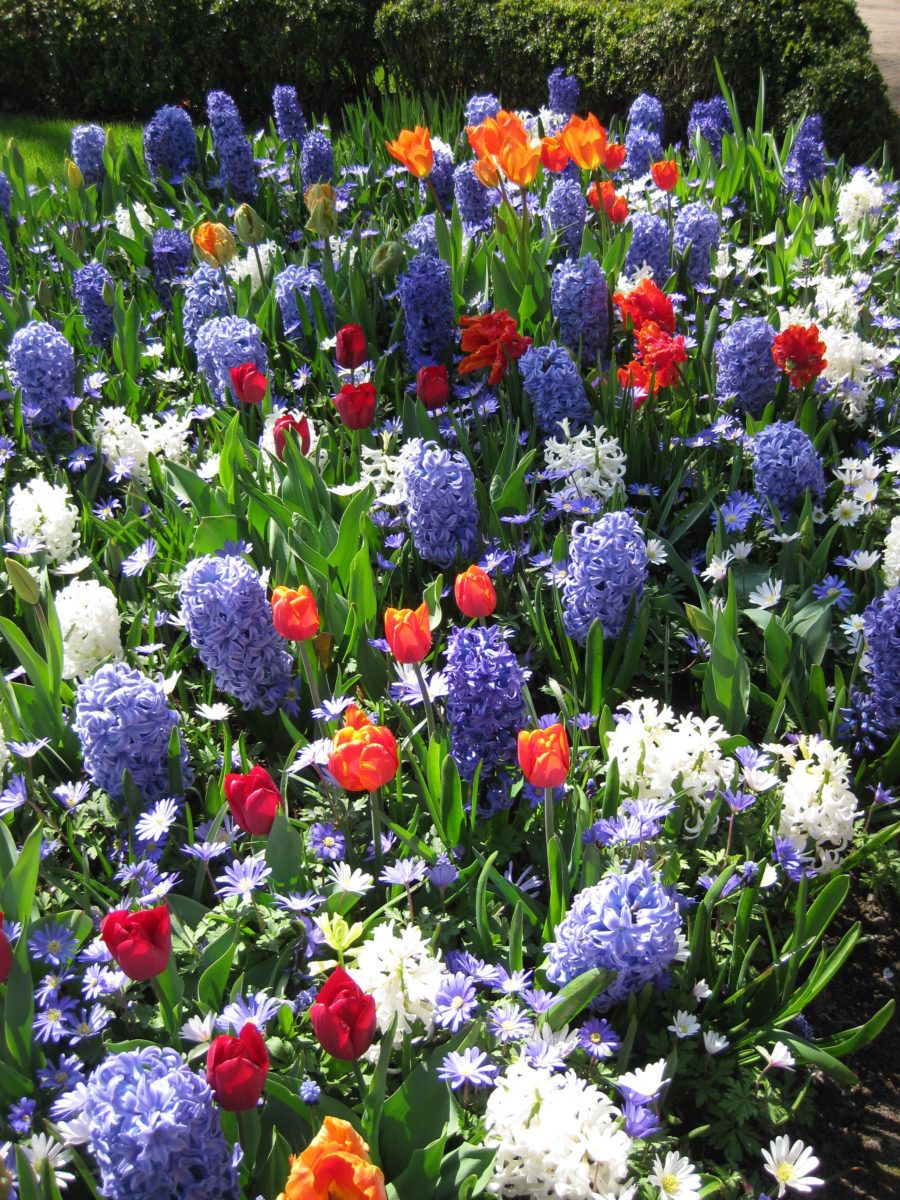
[[45, 144]]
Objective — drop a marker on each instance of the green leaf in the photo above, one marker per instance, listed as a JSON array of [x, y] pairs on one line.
[[19, 887], [213, 981], [284, 850], [577, 995], [413, 1117]]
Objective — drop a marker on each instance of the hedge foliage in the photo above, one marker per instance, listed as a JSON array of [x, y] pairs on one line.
[[105, 58]]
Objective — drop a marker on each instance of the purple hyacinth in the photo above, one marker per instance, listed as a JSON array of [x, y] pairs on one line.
[[426, 297], [124, 722], [607, 570], [229, 622], [234, 150], [441, 508], [290, 123], [88, 284], [204, 297], [422, 236], [566, 209], [5, 196], [628, 923], [294, 285], [316, 159], [226, 342], [170, 147], [441, 179], [171, 256], [642, 147], [649, 245], [88, 144], [563, 91], [745, 368], [579, 299], [806, 162], [882, 626], [710, 119], [474, 201], [554, 386], [5, 277], [698, 226], [42, 365], [786, 465], [480, 107], [646, 112]]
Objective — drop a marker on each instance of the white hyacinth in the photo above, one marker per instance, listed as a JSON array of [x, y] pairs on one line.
[[891, 563], [860, 197], [555, 1135], [591, 461], [817, 802], [118, 437], [398, 967], [89, 623], [44, 511]]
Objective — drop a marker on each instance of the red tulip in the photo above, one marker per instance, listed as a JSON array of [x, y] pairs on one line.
[[355, 403], [249, 384], [408, 633], [351, 350], [140, 942], [6, 954], [432, 386], [253, 800], [288, 423], [294, 613], [343, 1017], [544, 756], [236, 1069], [664, 174], [474, 592]]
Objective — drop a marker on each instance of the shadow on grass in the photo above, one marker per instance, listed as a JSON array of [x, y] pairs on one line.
[[46, 143]]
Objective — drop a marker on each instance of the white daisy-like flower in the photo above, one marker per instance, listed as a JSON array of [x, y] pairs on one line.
[[684, 1024], [847, 511], [866, 492], [779, 1056], [742, 550], [350, 879], [656, 552], [45, 1150], [214, 712], [792, 1165], [153, 350], [701, 990], [676, 1177], [783, 539], [199, 1029], [767, 595], [718, 567], [714, 1043], [645, 1081], [169, 375]]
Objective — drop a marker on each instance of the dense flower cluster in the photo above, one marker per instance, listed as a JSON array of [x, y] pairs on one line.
[[89, 283], [554, 386], [295, 285], [170, 147], [89, 623], [786, 465], [746, 371], [234, 151], [817, 804], [42, 364], [697, 227], [440, 499], [566, 211], [290, 122], [606, 573], [579, 298], [806, 162], [710, 119], [226, 342], [316, 158], [398, 967], [88, 144], [474, 201], [171, 256], [882, 626], [44, 511], [204, 297], [426, 298], [649, 246]]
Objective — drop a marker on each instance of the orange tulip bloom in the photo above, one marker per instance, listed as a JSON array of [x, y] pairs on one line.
[[334, 1166], [294, 613], [408, 633], [661, 354], [646, 303], [554, 155], [585, 141], [412, 147], [494, 132], [491, 340], [474, 592], [214, 243], [363, 756], [664, 174], [615, 207], [544, 756], [519, 163], [487, 172], [614, 156]]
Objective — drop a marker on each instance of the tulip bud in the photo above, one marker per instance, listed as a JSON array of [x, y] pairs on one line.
[[343, 1017], [356, 405], [287, 423], [73, 172], [23, 582], [214, 243], [544, 756], [323, 219], [474, 592], [108, 293], [248, 383], [79, 240], [44, 293], [236, 1069], [249, 226], [432, 386], [294, 613], [351, 350], [388, 259], [111, 143], [408, 633]]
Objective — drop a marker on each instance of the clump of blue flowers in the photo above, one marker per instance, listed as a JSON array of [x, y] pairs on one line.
[[474, 201], [296, 284], [154, 1129], [698, 226], [421, 235], [171, 255], [42, 365], [204, 297], [88, 144], [234, 151], [316, 158], [806, 162], [441, 508], [710, 119], [426, 297], [579, 299], [563, 91], [646, 112], [441, 178], [607, 569], [628, 923], [786, 465], [124, 722], [5, 195], [746, 370], [649, 245], [566, 210], [229, 623], [480, 107], [88, 283], [642, 147], [170, 148], [290, 123], [553, 384], [226, 342], [882, 626]]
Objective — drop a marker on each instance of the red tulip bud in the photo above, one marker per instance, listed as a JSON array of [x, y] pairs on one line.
[[290, 424], [249, 384], [432, 386], [236, 1069], [253, 800], [140, 942], [351, 350], [355, 403], [343, 1017]]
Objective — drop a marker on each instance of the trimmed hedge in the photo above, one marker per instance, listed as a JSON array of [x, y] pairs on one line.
[[816, 55]]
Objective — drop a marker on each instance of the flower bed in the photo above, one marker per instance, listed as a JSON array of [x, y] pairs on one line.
[[451, 625]]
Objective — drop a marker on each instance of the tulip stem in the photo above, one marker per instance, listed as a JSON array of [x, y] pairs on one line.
[[242, 1130], [360, 1080], [228, 298], [548, 817], [376, 828], [259, 265], [170, 1021], [426, 700], [310, 675]]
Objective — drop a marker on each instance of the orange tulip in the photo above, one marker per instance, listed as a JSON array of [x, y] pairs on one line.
[[554, 155], [614, 156], [519, 163], [661, 353], [646, 303], [494, 132], [491, 340], [412, 147], [294, 613], [487, 172], [408, 633], [664, 174], [544, 756], [615, 207], [474, 592], [214, 243], [363, 756], [585, 141], [334, 1166]]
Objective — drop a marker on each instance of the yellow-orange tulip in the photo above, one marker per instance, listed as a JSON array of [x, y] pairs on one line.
[[486, 170], [412, 147], [519, 163], [408, 633], [585, 141], [214, 243], [363, 756], [334, 1166], [544, 756]]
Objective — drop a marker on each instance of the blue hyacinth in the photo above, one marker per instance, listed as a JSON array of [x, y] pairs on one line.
[[290, 123], [474, 201], [170, 147], [204, 297], [607, 570], [88, 283], [316, 159], [441, 510], [642, 147], [563, 91], [229, 622], [579, 299], [710, 119], [647, 113], [234, 151], [226, 342], [42, 365], [295, 284], [5, 195], [171, 256], [480, 107], [124, 722], [882, 626], [628, 923], [566, 209], [441, 179], [155, 1130], [745, 367], [554, 386], [485, 708], [421, 235], [806, 162], [5, 277], [786, 465], [649, 245], [426, 297], [698, 226], [88, 143]]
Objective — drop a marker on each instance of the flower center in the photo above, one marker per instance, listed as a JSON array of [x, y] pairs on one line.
[[669, 1184], [784, 1172]]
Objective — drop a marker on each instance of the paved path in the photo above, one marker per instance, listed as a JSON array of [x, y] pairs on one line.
[[883, 20]]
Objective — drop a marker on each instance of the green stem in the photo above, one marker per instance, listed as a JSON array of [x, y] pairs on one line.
[[310, 675], [225, 285], [376, 829], [426, 700], [548, 819]]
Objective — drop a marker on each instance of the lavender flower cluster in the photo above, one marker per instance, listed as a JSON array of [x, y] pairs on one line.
[[607, 569]]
